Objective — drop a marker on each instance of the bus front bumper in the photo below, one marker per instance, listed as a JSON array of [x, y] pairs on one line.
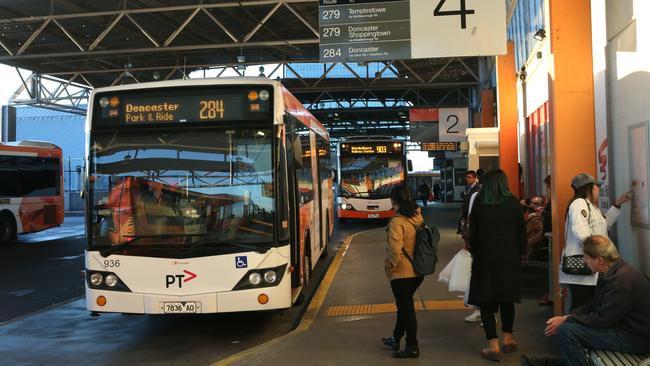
[[353, 214], [220, 302]]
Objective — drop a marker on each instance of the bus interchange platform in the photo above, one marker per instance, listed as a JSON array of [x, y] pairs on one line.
[[344, 323], [354, 308]]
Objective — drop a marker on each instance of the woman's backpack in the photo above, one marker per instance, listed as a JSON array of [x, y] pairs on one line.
[[425, 252]]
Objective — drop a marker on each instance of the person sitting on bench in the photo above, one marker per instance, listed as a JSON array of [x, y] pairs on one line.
[[618, 317]]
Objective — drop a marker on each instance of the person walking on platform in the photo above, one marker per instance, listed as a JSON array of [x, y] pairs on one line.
[[497, 242], [583, 219], [472, 187], [399, 270], [617, 318]]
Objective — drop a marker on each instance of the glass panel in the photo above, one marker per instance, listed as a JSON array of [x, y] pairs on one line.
[[195, 188], [370, 176]]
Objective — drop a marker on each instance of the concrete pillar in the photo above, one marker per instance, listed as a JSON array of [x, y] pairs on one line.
[[507, 108], [572, 127]]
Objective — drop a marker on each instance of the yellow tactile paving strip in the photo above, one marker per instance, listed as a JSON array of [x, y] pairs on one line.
[[366, 309]]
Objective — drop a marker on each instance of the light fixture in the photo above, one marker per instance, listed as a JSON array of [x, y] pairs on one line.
[[241, 58], [540, 34], [262, 72]]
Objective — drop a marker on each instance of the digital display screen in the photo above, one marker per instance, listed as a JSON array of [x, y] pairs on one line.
[[176, 105], [371, 148]]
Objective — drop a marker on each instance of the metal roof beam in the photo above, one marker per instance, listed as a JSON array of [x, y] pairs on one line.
[[163, 49], [160, 9]]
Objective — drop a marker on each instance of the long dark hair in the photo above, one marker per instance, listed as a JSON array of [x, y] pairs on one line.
[[495, 188], [402, 196], [583, 192]]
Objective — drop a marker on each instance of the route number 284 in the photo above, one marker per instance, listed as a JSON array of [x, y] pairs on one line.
[[331, 52]]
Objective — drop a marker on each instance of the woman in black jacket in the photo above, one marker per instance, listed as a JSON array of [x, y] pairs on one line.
[[497, 242]]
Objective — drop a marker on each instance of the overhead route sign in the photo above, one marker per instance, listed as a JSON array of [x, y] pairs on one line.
[[377, 30]]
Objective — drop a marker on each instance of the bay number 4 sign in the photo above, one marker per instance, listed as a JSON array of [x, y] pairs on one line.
[[375, 30]]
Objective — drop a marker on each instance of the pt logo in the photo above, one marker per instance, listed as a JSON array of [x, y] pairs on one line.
[[170, 280]]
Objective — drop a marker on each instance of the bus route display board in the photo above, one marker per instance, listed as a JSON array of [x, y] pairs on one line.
[[371, 148], [378, 30], [439, 146], [176, 106]]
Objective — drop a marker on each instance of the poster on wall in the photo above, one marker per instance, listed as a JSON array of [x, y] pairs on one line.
[[639, 160]]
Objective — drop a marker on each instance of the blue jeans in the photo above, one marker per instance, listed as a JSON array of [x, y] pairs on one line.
[[575, 338]]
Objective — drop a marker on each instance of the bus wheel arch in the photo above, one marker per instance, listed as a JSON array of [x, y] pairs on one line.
[[7, 227]]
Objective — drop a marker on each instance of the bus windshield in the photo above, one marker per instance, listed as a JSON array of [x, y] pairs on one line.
[[370, 176], [164, 188]]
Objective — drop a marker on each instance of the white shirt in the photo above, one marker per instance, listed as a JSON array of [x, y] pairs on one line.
[[584, 219]]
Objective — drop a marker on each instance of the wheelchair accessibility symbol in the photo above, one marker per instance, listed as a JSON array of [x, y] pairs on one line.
[[241, 262]]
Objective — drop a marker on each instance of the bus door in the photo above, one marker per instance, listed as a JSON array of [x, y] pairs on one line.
[[293, 195]]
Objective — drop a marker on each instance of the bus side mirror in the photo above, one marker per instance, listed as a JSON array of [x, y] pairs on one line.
[[409, 165]]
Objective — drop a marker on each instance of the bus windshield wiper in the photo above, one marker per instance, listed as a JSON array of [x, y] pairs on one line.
[[116, 248], [216, 244]]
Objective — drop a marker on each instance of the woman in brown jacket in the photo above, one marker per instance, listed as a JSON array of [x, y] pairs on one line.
[[399, 270]]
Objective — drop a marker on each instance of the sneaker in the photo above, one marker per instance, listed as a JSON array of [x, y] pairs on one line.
[[474, 317]]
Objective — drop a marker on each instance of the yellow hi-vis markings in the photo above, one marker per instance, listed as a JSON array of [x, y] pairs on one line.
[[367, 309]]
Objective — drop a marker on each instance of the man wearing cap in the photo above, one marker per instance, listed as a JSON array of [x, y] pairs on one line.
[[584, 219]]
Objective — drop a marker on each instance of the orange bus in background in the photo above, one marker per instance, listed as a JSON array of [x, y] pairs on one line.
[[31, 189]]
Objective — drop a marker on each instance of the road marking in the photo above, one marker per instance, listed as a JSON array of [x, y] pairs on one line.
[[365, 309], [310, 314]]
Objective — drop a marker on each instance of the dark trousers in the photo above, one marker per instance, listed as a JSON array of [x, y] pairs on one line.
[[507, 310], [581, 295], [403, 290], [575, 338]]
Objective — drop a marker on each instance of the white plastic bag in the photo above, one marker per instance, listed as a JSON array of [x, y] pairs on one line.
[[446, 272], [461, 272]]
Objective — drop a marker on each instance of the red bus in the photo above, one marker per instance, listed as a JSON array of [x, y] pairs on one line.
[[31, 193]]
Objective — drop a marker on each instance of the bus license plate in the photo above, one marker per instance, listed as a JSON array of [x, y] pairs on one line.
[[180, 307], [373, 216]]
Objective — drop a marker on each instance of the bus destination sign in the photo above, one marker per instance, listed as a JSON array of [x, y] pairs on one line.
[[367, 149], [211, 106], [439, 146]]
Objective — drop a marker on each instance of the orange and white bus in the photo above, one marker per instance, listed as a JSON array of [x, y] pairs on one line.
[[203, 196], [31, 192], [368, 169]]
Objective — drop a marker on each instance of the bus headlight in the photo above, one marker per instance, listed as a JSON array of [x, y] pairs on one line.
[[111, 280], [254, 278], [346, 206], [262, 277], [264, 95], [270, 276], [96, 279], [101, 280]]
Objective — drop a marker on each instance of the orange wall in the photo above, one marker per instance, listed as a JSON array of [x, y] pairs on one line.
[[487, 108], [507, 107], [572, 126]]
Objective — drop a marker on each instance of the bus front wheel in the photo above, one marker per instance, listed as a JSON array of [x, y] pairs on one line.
[[7, 229]]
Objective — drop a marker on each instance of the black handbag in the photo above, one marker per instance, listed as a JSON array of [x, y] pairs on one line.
[[574, 265]]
